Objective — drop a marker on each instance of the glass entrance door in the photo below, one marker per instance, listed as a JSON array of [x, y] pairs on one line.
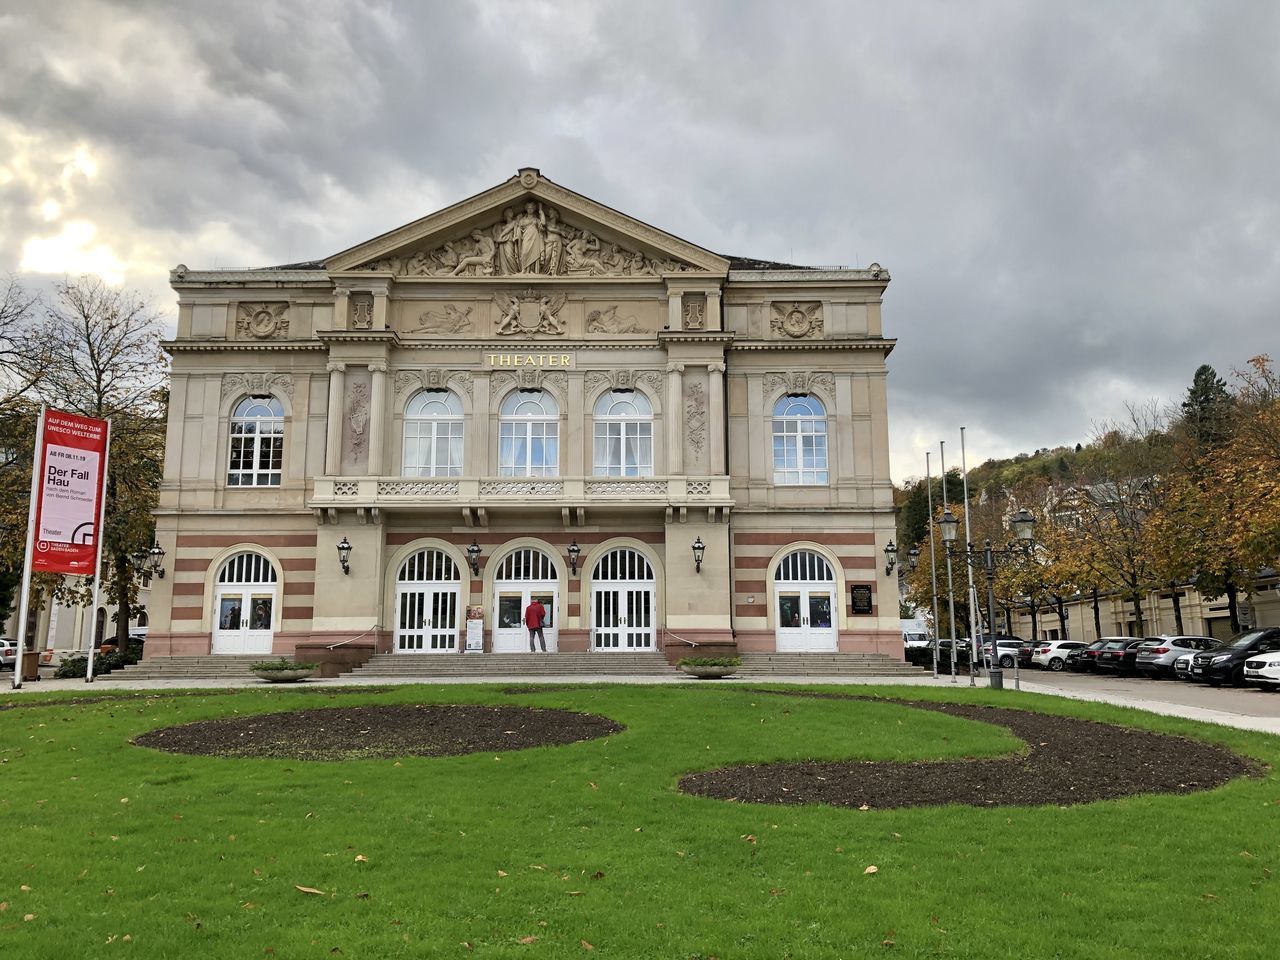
[[805, 619], [622, 618], [510, 634], [243, 620], [426, 620]]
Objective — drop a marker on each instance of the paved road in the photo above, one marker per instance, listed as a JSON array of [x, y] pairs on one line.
[[1248, 709]]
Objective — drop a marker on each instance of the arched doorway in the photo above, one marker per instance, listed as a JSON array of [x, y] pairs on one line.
[[522, 575], [244, 604], [804, 591], [427, 599], [622, 601]]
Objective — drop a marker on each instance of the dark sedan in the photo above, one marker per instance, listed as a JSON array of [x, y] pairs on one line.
[[1120, 656], [1083, 659], [1225, 664]]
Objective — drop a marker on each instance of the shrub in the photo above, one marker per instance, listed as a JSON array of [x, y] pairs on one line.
[[270, 666], [711, 662], [78, 665]]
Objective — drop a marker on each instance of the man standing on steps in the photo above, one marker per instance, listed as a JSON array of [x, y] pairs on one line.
[[535, 615]]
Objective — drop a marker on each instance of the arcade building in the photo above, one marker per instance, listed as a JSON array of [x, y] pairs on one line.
[[527, 394]]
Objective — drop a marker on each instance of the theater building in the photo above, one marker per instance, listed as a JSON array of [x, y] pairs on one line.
[[527, 394]]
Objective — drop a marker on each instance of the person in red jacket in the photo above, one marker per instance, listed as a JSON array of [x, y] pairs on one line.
[[535, 615]]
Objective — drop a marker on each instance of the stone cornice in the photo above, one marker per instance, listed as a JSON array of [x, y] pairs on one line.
[[696, 336], [360, 336], [808, 276], [869, 343], [180, 280], [238, 346], [528, 346]]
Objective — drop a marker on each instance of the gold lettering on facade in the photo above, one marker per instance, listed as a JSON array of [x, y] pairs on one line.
[[529, 359]]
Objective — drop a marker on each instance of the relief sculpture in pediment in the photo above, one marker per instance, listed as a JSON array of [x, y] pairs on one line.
[[531, 241], [446, 319], [529, 313]]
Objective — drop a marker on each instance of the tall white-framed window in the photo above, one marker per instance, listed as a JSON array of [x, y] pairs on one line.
[[433, 435], [529, 435], [623, 435], [257, 443], [800, 441]]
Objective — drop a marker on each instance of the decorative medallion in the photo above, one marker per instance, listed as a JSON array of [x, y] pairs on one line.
[[263, 321], [529, 240], [529, 313], [797, 320], [608, 321], [446, 319]]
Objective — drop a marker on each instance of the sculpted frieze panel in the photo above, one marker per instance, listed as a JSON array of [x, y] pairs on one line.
[[528, 313], [623, 379], [529, 241], [607, 320], [445, 319], [801, 381], [530, 379], [434, 379], [256, 384]]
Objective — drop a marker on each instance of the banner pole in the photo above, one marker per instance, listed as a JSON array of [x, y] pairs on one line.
[[24, 605], [975, 615], [97, 569]]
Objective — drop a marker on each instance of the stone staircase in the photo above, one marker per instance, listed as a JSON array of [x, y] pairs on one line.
[[759, 666], [410, 667], [221, 667]]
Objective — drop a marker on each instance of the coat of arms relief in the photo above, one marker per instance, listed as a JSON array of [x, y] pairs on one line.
[[531, 240]]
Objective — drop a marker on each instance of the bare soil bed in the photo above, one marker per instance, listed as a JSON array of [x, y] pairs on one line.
[[1069, 761], [340, 733]]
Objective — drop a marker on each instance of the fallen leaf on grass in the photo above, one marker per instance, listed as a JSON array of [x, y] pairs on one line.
[[24, 888], [4, 905], [593, 786], [362, 895], [528, 940], [586, 946], [502, 873], [574, 893], [467, 944], [361, 858], [1208, 896], [29, 917], [749, 837], [871, 869], [598, 875], [864, 807], [311, 890]]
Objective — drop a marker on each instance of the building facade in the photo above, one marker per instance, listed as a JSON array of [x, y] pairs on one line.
[[527, 395]]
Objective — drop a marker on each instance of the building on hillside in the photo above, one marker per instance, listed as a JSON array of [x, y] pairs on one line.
[[527, 395], [1260, 607]]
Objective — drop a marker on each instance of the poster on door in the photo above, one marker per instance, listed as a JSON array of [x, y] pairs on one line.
[[68, 490]]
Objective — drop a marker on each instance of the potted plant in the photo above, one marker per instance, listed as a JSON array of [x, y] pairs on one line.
[[709, 668], [282, 671]]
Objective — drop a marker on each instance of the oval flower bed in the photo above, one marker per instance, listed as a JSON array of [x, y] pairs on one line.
[[282, 671]]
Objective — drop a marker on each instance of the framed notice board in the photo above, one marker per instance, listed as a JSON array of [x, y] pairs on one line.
[[860, 598]]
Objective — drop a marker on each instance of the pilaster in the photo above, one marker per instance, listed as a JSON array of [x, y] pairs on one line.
[[333, 425], [377, 416]]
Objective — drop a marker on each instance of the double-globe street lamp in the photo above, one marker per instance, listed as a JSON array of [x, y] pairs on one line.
[[1023, 525]]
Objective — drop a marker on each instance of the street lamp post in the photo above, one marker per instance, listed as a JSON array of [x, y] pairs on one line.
[[1023, 525]]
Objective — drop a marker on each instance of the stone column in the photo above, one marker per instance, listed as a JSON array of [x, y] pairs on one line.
[[715, 382], [341, 307], [333, 421], [377, 417], [675, 419]]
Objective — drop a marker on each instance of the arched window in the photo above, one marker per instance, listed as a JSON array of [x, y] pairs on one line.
[[799, 440], [433, 435], [529, 435], [257, 443], [623, 435]]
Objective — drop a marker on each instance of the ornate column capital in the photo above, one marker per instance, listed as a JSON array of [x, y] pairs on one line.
[[715, 367], [336, 366], [675, 368], [378, 366]]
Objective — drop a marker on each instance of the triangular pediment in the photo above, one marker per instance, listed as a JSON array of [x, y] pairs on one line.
[[528, 227]]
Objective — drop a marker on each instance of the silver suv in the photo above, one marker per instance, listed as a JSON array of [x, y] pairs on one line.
[[1156, 656], [8, 654]]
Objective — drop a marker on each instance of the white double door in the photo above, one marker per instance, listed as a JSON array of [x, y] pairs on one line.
[[427, 619], [243, 616], [622, 617], [806, 621], [510, 601]]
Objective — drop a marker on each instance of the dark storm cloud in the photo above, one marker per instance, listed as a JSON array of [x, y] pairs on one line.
[[1079, 203]]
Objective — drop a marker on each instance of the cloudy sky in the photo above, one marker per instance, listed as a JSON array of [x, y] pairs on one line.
[[1079, 203]]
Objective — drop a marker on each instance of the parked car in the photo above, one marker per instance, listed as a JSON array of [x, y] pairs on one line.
[[1116, 655], [944, 654], [8, 654], [1053, 655], [1006, 644], [1082, 659], [1225, 664], [1157, 654], [1182, 666], [1263, 671], [1026, 651]]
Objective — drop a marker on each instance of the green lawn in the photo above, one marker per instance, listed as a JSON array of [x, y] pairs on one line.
[[590, 844]]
